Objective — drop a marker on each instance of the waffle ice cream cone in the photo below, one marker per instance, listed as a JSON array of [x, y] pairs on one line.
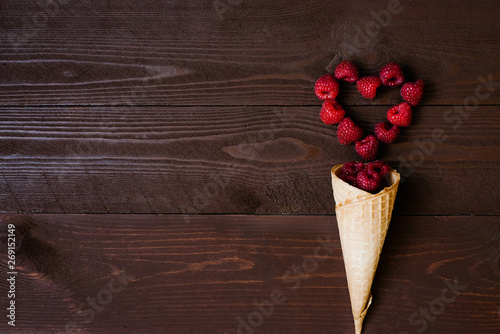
[[363, 220]]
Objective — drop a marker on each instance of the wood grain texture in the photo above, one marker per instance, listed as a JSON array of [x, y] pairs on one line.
[[113, 52], [234, 160], [185, 109], [200, 275]]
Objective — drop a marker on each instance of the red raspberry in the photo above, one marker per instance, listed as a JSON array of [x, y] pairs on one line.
[[391, 75], [326, 87], [346, 71], [400, 114], [351, 179], [368, 180], [382, 169], [348, 132], [412, 92], [331, 112], [385, 134], [367, 148], [367, 86], [352, 168]]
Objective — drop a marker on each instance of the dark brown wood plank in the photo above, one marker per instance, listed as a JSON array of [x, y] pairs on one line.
[[199, 276], [233, 160], [255, 53]]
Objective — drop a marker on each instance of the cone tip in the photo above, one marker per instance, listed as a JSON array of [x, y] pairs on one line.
[[358, 325]]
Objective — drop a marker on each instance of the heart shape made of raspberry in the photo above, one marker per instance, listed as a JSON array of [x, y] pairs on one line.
[[327, 89]]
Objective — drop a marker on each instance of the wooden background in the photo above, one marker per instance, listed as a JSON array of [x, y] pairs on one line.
[[178, 144]]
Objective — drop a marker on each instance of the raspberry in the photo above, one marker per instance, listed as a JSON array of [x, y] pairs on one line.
[[352, 168], [346, 71], [367, 148], [326, 87], [385, 134], [368, 180], [331, 112], [412, 92], [367, 86], [351, 179], [348, 132], [379, 166], [400, 114], [382, 169], [391, 75]]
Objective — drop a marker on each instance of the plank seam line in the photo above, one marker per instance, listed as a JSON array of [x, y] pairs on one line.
[[210, 105], [231, 214]]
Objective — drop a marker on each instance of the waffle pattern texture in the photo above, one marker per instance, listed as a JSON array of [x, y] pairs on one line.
[[363, 220]]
